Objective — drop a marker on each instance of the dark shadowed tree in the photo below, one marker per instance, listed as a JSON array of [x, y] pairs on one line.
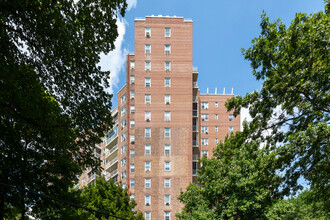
[[53, 104]]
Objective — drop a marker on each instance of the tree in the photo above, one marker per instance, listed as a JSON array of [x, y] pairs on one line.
[[294, 65], [53, 104], [288, 137], [109, 199], [239, 182]]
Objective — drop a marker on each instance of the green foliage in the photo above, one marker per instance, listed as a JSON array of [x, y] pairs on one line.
[[103, 196], [238, 182], [300, 207], [291, 112], [53, 106]]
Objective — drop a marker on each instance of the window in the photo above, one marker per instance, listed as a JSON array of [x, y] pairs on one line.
[[205, 129], [147, 132], [123, 162], [147, 82], [230, 117], [132, 168], [132, 138], [205, 152], [167, 82], [132, 109], [167, 116], [167, 65], [167, 215], [147, 149], [83, 180], [122, 99], [167, 132], [147, 166], [123, 149], [147, 48], [216, 104], [205, 141], [132, 183], [147, 65], [216, 140], [167, 149], [132, 124], [167, 166], [167, 48], [147, 99], [205, 117], [216, 116], [231, 129], [167, 199], [147, 32], [123, 124], [132, 153], [132, 79], [167, 182], [123, 137], [147, 183], [124, 184], [147, 200], [132, 94], [216, 129], [123, 176], [205, 105], [132, 64], [123, 111], [167, 99], [132, 197], [147, 115], [147, 215], [167, 32]]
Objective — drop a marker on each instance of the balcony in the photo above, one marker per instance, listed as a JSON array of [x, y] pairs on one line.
[[112, 162], [92, 177], [113, 173], [195, 128], [195, 85], [194, 172], [195, 157], [113, 149], [97, 155], [195, 113], [195, 143]]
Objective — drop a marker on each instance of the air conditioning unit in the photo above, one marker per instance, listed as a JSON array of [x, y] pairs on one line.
[[206, 132], [132, 97], [147, 204], [148, 35], [147, 85], [167, 52], [167, 204], [132, 142], [147, 170], [147, 120], [203, 119], [167, 69], [167, 103]]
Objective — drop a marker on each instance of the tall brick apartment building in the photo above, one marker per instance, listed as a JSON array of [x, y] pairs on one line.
[[162, 123]]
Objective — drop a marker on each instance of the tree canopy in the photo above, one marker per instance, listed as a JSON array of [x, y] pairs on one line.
[[288, 137], [53, 104]]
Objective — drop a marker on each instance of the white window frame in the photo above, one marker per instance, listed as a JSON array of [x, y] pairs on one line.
[[147, 165], [147, 200], [132, 138], [167, 215], [123, 176], [147, 215], [167, 65], [147, 48], [147, 115], [205, 129], [205, 152], [147, 65], [231, 117], [123, 111], [123, 162], [167, 116], [132, 124], [123, 98], [147, 183], [132, 153], [132, 183], [123, 137], [147, 32], [205, 117], [132, 64], [167, 49], [167, 132], [169, 82], [205, 141], [231, 129], [167, 166], [167, 99], [205, 105], [216, 116], [132, 109], [132, 94], [216, 104], [167, 183], [216, 129], [132, 197], [147, 149], [123, 149], [132, 79], [167, 32], [167, 199], [147, 132], [147, 98], [132, 168], [147, 82], [167, 149]]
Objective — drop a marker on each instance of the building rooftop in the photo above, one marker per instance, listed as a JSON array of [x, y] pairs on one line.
[[163, 16]]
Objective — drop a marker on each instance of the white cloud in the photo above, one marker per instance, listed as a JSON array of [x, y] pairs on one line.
[[115, 60], [131, 4]]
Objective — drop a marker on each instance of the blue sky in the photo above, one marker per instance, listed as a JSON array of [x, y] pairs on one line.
[[220, 29]]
